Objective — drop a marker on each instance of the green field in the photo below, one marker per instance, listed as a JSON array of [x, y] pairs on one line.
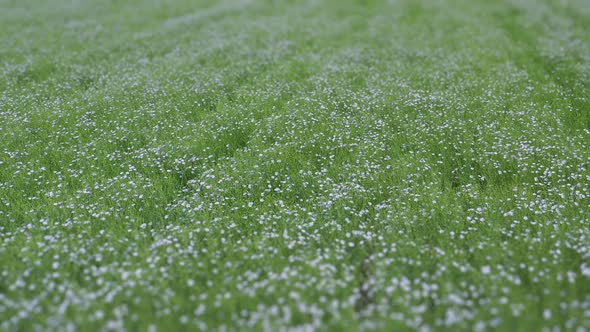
[[332, 165]]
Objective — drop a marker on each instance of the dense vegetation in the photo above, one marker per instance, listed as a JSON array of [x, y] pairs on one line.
[[337, 165]]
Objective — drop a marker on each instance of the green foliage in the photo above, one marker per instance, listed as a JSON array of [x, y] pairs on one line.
[[264, 165]]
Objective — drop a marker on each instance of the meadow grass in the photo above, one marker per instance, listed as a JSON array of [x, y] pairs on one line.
[[305, 165]]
